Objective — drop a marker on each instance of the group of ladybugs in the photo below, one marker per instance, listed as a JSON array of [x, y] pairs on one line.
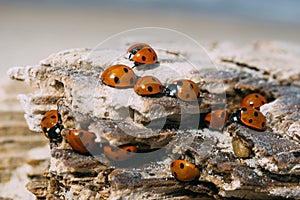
[[248, 115], [122, 76], [81, 141]]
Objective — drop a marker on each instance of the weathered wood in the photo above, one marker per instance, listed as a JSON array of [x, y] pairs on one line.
[[69, 81]]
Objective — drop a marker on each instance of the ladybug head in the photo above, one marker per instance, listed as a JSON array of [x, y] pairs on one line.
[[236, 116], [54, 133], [170, 90], [133, 51]]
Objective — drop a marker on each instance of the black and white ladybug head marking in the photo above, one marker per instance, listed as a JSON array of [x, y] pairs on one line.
[[236, 116], [171, 90]]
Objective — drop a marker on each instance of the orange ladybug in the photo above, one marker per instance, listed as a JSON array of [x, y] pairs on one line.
[[142, 53], [120, 153], [119, 76], [216, 119], [81, 140], [253, 100], [136, 47], [147, 86], [51, 126], [183, 89], [184, 171], [251, 118]]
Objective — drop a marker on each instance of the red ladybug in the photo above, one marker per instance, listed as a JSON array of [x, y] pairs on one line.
[[148, 85], [51, 126], [142, 53], [216, 119], [251, 118], [81, 140], [119, 76], [184, 171], [120, 153], [185, 90], [253, 100]]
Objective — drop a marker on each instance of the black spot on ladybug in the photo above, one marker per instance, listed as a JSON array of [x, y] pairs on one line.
[[223, 114], [244, 109], [160, 87], [187, 96], [172, 164], [179, 83], [262, 102], [143, 58], [175, 174], [154, 58], [117, 80], [191, 86], [250, 121], [53, 117], [128, 150], [125, 70], [263, 124], [81, 134], [256, 96], [43, 118], [256, 114], [150, 50], [150, 89], [181, 165]]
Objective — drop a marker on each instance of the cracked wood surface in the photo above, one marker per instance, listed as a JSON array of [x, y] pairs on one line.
[[271, 171]]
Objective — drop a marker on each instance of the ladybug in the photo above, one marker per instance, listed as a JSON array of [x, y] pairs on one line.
[[185, 90], [216, 119], [148, 85], [253, 100], [120, 153], [51, 126], [81, 141], [250, 117], [184, 171], [119, 76], [136, 47], [142, 53]]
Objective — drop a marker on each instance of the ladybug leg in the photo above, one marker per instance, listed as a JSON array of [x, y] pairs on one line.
[[136, 64]]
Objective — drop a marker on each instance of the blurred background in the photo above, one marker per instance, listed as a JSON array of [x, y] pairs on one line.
[[33, 29]]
